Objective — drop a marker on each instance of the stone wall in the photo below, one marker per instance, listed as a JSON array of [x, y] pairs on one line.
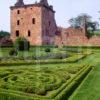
[[95, 41], [76, 37]]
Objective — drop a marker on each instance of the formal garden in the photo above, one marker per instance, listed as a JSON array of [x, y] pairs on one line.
[[46, 55], [44, 72]]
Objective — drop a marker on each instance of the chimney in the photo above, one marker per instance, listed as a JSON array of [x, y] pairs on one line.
[[19, 3]]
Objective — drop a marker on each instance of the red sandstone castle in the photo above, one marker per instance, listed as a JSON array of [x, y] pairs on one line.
[[36, 22]]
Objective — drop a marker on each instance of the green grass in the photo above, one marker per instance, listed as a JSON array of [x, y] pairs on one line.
[[90, 88], [40, 51], [34, 51], [97, 33]]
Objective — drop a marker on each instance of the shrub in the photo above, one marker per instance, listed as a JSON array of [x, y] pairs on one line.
[[41, 91], [47, 50], [13, 52], [22, 44]]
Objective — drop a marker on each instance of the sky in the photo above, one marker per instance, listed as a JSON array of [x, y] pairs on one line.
[[65, 9]]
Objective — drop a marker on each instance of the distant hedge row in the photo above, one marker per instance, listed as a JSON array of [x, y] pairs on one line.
[[83, 47], [71, 59]]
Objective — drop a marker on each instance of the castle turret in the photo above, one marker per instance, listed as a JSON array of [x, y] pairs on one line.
[[19, 3], [45, 2]]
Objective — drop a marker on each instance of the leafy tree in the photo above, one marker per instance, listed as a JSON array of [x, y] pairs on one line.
[[92, 26], [84, 21], [4, 34]]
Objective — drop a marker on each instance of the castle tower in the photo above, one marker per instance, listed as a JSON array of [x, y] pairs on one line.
[[19, 3], [35, 22], [45, 2]]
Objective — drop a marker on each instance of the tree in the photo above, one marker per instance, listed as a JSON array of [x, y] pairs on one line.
[[80, 20], [92, 26], [4, 34], [84, 21], [73, 22]]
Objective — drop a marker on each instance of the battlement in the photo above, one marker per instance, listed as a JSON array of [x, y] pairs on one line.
[[42, 3]]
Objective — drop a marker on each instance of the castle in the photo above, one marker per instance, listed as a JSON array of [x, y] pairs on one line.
[[36, 22]]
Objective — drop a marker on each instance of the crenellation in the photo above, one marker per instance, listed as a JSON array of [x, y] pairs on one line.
[[19, 3]]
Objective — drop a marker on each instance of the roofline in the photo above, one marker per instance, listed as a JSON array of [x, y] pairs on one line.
[[30, 5]]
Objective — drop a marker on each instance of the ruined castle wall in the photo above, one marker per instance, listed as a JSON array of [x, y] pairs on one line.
[[76, 37], [95, 41], [82, 41]]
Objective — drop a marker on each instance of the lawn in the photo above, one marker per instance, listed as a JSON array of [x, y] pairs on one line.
[[97, 33], [90, 87]]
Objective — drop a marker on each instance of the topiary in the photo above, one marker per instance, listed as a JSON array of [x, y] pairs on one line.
[[13, 52], [47, 50], [22, 44]]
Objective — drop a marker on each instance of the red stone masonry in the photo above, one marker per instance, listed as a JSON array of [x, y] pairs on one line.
[[76, 37], [35, 22]]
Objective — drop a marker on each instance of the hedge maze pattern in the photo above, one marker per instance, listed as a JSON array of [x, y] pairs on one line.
[[38, 81]]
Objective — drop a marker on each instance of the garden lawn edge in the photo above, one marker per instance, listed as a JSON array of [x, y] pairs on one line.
[[70, 98], [66, 93]]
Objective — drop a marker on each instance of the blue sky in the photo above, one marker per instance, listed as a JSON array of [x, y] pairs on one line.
[[65, 9]]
